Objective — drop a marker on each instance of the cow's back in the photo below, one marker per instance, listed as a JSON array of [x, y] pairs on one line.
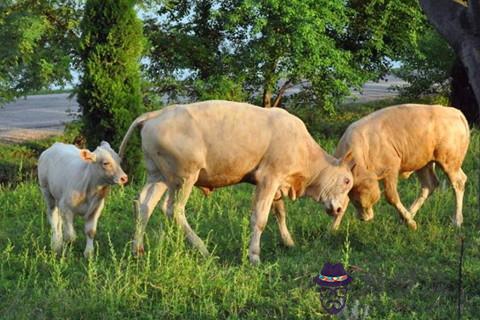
[[412, 134], [226, 139]]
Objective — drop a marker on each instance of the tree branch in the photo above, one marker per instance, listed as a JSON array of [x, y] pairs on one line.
[[281, 92]]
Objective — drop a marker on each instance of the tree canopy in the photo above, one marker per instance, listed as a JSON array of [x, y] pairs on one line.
[[264, 48], [38, 45]]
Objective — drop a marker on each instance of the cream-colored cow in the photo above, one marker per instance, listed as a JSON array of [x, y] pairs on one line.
[[399, 140], [214, 144]]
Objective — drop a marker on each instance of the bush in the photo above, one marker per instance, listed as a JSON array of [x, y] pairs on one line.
[[110, 91]]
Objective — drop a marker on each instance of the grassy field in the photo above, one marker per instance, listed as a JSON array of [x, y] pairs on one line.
[[398, 273]]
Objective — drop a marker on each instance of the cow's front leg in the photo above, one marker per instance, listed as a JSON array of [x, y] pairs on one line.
[[264, 195], [91, 228], [281, 214], [393, 198]]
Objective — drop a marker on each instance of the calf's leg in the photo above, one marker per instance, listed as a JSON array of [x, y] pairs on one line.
[[91, 229], [151, 193], [393, 198], [177, 199], [69, 234], [280, 213], [264, 195], [429, 182], [55, 221]]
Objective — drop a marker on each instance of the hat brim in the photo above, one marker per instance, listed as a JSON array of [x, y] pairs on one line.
[[323, 283]]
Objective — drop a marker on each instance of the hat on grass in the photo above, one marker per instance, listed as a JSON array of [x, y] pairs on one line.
[[332, 275]]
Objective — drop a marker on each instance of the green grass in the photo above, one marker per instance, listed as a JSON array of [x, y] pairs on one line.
[[398, 273]]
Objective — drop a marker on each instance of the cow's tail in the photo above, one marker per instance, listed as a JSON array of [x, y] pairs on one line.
[[137, 122]]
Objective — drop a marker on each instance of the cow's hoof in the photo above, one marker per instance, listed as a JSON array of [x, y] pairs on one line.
[[335, 227], [457, 222], [254, 259], [288, 243], [412, 224]]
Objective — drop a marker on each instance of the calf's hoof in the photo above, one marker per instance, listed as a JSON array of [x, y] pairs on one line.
[[138, 251], [254, 259], [412, 224], [57, 248], [88, 253]]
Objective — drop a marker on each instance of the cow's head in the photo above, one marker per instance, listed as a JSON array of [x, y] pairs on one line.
[[332, 185], [107, 164], [365, 193]]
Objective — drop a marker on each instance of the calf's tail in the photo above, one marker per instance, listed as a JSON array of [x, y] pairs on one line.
[[137, 122]]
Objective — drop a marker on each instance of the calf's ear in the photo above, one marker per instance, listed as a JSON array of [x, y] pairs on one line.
[[105, 144], [88, 156], [348, 160]]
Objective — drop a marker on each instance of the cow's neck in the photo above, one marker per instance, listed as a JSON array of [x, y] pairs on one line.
[[320, 160], [91, 183]]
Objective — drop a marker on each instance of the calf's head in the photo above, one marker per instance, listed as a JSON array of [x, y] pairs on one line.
[[332, 185], [106, 164]]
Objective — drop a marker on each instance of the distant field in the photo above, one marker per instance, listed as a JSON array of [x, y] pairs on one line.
[[398, 273]]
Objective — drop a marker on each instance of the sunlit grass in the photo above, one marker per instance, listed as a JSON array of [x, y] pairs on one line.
[[397, 273]]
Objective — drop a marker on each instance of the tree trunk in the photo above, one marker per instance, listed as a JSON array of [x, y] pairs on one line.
[[267, 98], [460, 26], [461, 95]]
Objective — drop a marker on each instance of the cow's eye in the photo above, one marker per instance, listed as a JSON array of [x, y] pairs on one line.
[[347, 181], [106, 163]]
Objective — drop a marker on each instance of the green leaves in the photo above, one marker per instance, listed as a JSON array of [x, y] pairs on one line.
[[38, 41], [110, 91], [323, 48]]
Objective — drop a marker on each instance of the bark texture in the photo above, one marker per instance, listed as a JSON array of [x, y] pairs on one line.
[[459, 24]]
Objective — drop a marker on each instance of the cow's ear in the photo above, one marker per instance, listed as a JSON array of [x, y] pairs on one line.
[[88, 156], [348, 160], [105, 144]]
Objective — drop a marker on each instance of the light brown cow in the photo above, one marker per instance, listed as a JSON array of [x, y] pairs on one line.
[[214, 144], [399, 140]]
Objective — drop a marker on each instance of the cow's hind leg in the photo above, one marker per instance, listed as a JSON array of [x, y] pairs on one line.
[[393, 198], [429, 182], [264, 196], [458, 179], [280, 213], [177, 199], [151, 193], [55, 221]]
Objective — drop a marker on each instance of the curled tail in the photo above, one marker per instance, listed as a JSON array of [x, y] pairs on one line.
[[138, 121]]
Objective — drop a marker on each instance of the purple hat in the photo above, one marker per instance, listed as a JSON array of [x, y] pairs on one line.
[[332, 275]]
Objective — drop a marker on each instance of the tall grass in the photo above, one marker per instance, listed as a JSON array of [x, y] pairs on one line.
[[397, 273]]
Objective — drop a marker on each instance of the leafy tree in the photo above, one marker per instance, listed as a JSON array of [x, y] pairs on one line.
[[428, 68], [38, 45], [267, 47], [110, 90]]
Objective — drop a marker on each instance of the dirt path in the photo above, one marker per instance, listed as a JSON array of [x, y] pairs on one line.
[[36, 117]]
